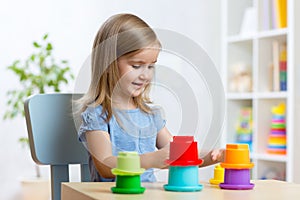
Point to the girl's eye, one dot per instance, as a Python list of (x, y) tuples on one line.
[(136, 66), (139, 66)]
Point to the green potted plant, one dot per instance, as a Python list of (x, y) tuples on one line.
[(39, 73)]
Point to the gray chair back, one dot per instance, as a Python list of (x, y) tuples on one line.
[(53, 137)]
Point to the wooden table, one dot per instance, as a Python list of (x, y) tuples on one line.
[(263, 190)]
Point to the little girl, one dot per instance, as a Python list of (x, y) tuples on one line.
[(117, 114)]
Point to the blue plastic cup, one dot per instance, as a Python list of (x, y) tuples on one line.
[(183, 179)]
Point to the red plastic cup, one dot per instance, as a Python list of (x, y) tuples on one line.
[(184, 152)]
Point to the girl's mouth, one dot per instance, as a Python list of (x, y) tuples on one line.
[(137, 84)]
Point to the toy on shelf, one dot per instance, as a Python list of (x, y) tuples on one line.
[(218, 175), (244, 127), (277, 136), (128, 173), (184, 162), (237, 168), (241, 78)]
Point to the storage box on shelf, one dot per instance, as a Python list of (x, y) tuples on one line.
[(271, 170), (254, 53)]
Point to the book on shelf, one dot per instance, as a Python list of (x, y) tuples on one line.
[(279, 66), (274, 14), (266, 15), (283, 68), (276, 73), (280, 7)]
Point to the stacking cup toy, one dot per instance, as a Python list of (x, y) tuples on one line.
[(184, 162), (183, 179), (237, 167), (183, 152), (218, 175), (128, 173), (128, 163)]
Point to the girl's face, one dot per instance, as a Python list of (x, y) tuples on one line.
[(136, 71)]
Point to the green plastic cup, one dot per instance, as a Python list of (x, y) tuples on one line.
[(128, 170), (128, 185), (128, 163)]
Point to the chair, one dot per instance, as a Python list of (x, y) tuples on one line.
[(53, 137)]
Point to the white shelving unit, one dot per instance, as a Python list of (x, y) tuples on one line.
[(255, 49)]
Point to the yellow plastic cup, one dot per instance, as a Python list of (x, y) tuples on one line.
[(218, 175)]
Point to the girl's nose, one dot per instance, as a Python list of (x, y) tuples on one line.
[(146, 74)]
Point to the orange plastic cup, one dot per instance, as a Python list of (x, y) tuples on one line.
[(237, 156)]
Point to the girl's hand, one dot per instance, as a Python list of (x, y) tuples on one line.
[(218, 155), (160, 157), (156, 159)]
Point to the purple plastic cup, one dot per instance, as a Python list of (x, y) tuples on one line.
[(237, 179)]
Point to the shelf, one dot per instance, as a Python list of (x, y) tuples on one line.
[(272, 33), (259, 35), (239, 96), (271, 95), (256, 95), (254, 64), (239, 38), (269, 157)]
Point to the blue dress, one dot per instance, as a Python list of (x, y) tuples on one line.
[(129, 130)]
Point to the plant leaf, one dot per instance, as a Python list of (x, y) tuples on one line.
[(45, 36), (37, 45), (49, 47)]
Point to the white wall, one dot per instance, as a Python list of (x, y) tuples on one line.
[(72, 26)]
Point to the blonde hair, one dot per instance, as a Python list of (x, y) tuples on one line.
[(121, 34)]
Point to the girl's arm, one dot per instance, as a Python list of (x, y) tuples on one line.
[(164, 137), (105, 161), (99, 146)]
